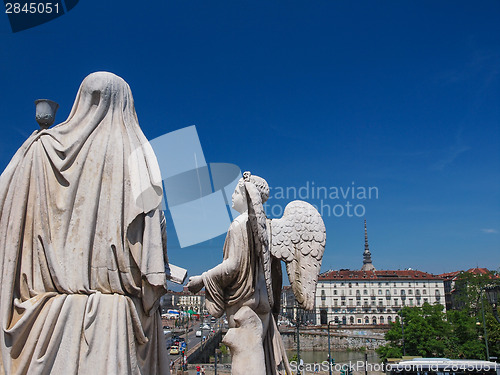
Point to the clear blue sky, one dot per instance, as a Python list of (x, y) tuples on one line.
[(402, 96)]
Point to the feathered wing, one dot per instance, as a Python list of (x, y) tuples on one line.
[(299, 238)]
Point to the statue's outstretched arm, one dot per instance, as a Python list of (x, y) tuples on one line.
[(235, 256)]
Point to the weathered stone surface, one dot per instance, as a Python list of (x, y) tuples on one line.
[(247, 284), (82, 259), (318, 340)]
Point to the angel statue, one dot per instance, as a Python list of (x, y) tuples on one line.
[(247, 284)]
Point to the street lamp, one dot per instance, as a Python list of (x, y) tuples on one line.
[(217, 352), (484, 325), (298, 320), (403, 331), (201, 337), (329, 351), (492, 293)]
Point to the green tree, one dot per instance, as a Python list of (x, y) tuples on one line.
[(429, 332), (493, 328), (394, 347), (426, 330), (389, 351), (426, 333), (468, 287), (464, 339), (468, 297)]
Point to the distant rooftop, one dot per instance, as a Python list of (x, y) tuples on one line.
[(450, 275), (186, 292), (385, 275), (479, 271), (475, 271)]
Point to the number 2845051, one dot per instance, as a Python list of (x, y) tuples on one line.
[(31, 8)]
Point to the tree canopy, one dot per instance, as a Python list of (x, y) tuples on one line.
[(430, 332)]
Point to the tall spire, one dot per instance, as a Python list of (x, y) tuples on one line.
[(367, 256)]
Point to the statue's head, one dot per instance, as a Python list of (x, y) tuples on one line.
[(104, 82), (100, 92), (240, 202)]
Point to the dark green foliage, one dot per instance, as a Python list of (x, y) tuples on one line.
[(426, 333), (223, 349), (429, 332), (464, 341)]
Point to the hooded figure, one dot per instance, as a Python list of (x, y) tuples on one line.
[(82, 261)]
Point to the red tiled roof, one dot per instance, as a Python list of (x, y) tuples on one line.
[(475, 271), (377, 275), (450, 275), (479, 271)]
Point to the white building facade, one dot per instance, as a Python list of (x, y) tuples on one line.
[(185, 300), (373, 297)]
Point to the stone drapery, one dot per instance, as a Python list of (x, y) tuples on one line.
[(81, 256)]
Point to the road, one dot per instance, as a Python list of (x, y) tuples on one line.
[(191, 340)]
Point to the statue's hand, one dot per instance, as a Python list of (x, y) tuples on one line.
[(195, 284)]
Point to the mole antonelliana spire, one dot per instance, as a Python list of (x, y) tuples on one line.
[(367, 256)]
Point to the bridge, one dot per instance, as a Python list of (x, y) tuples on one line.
[(202, 351)]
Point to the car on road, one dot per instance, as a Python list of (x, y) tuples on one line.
[(174, 349), (169, 343), (198, 333)]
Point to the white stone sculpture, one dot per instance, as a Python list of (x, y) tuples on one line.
[(82, 244), (247, 284)]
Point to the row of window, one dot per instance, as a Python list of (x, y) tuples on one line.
[(352, 320), (380, 292), (395, 302), (365, 285)]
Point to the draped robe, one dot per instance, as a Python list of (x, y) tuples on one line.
[(81, 254)]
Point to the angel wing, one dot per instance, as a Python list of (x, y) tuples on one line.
[(299, 238)]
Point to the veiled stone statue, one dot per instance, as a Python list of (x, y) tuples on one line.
[(247, 284), (82, 244)]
